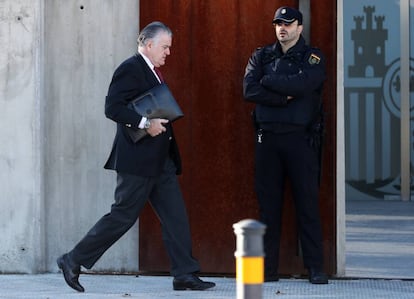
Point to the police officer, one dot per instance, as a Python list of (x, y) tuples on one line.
[(285, 81)]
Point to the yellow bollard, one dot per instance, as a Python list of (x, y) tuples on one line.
[(249, 258)]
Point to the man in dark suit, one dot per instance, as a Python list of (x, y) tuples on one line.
[(146, 171)]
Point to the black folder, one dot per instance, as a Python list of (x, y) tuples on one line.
[(158, 102)]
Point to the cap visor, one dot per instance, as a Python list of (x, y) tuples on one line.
[(284, 20)]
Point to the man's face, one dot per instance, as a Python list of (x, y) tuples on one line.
[(287, 32), (158, 48)]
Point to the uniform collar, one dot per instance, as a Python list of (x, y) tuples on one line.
[(297, 47)]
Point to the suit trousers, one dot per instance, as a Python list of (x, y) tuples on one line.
[(131, 194), (280, 156)]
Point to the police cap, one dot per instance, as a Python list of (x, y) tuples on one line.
[(288, 15)]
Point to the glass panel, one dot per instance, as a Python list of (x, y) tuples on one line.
[(372, 99), (411, 98)]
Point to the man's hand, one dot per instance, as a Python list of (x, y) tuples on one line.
[(157, 126)]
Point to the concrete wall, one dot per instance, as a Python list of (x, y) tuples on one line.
[(56, 62), (20, 200)]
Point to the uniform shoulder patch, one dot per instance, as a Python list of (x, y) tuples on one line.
[(314, 59)]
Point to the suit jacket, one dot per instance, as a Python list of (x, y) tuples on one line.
[(146, 157)]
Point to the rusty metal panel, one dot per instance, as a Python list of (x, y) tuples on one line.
[(212, 43)]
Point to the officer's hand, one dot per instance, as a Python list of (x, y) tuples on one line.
[(157, 126)]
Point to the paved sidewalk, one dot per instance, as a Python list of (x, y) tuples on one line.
[(380, 239), (380, 243), (52, 286)]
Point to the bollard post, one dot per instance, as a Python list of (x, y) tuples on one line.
[(249, 258)]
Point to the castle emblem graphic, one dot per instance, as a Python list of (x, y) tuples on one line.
[(372, 110)]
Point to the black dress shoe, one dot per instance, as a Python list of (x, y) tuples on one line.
[(71, 272), (317, 276), (190, 282), (271, 274), (270, 278)]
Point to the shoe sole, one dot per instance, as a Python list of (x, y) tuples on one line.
[(185, 288), (319, 282), (191, 289)]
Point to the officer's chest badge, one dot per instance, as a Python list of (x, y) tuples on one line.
[(314, 59)]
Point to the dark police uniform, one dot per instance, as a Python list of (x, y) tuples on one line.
[(287, 142)]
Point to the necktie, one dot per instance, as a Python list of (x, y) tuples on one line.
[(158, 72)]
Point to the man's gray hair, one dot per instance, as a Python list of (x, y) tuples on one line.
[(150, 31)]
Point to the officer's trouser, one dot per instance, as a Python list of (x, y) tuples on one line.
[(281, 156)]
